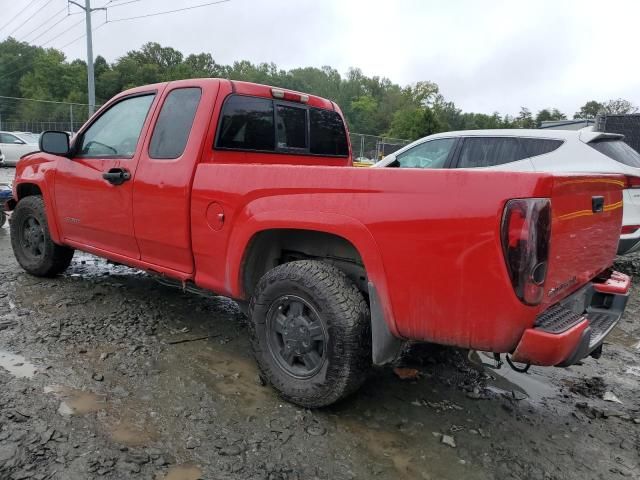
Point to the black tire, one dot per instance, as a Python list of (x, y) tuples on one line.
[(308, 295), (31, 241), (3, 218)]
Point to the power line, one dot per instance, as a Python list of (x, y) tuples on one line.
[(168, 11), (18, 14), (33, 15), (32, 40), (82, 36), (24, 37), (63, 32), (21, 69), (120, 4), (49, 29)]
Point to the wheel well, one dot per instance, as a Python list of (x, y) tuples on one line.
[(27, 190), (271, 248)]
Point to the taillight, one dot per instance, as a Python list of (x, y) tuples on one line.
[(632, 182), (627, 229), (526, 232)]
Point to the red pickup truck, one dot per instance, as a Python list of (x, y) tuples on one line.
[(248, 191)]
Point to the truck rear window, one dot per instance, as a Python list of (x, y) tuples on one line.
[(618, 151), (328, 136), (261, 124)]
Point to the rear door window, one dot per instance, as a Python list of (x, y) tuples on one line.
[(618, 151), (247, 124), (490, 151), (174, 123), (431, 154)]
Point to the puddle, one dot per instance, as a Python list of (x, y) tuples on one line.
[(16, 365), (88, 266), (181, 472), (385, 446), (76, 402), (234, 376), (517, 385), (132, 435), (620, 337)]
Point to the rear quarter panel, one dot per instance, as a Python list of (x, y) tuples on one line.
[(430, 239)]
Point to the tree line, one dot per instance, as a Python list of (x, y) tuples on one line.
[(372, 105)]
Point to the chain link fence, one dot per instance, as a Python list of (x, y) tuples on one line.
[(372, 148), (627, 125), (36, 116)]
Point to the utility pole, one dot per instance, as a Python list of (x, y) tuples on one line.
[(91, 81)]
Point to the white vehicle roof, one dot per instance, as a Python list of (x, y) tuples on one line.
[(586, 134)]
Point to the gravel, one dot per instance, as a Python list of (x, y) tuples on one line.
[(155, 383)]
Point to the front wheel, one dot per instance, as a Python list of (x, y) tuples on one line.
[(310, 332), (32, 245)]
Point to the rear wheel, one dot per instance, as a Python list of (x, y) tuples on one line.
[(31, 241), (310, 332)]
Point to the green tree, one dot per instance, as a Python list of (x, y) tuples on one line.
[(524, 119), (589, 110), (619, 106), (546, 115)]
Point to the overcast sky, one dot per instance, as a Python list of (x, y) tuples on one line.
[(485, 55)]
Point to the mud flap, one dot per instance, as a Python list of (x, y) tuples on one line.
[(384, 345)]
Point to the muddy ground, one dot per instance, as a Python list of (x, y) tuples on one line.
[(107, 374)]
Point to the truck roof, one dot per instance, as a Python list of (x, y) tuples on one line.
[(242, 88)]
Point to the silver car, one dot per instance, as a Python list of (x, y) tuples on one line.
[(14, 145)]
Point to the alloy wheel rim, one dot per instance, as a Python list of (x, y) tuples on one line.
[(296, 336), (32, 237)]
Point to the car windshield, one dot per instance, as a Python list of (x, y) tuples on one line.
[(618, 151), (28, 137)]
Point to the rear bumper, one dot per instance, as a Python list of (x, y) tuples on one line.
[(574, 328)]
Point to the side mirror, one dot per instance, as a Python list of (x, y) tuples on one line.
[(55, 143)]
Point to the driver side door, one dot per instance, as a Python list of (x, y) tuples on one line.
[(94, 188)]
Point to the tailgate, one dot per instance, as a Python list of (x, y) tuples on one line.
[(587, 216)]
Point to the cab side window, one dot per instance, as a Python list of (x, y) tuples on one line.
[(174, 123), (431, 154), (117, 131)]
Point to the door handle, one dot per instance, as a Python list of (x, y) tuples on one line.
[(117, 176)]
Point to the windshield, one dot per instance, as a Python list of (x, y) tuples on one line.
[(28, 137), (618, 151)]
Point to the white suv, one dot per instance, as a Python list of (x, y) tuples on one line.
[(534, 150)]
